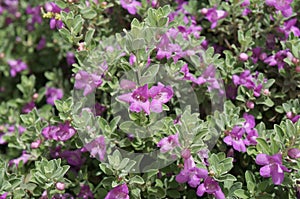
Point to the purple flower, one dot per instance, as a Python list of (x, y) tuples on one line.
[(70, 57), (130, 5), (35, 144), (294, 153), (120, 192), (87, 81), (132, 59), (97, 148), (53, 94), (36, 17), (160, 95), (290, 26), (62, 132), (41, 44), (99, 109), (168, 143), (73, 157), (235, 139), (213, 15), (24, 158), (16, 66), (85, 192), (55, 21), (191, 174), (3, 196), (295, 118), (210, 186), (28, 107), (282, 5), (272, 167), (277, 59), (138, 99)]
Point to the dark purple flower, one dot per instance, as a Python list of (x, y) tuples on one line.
[(99, 109), (118, 192), (97, 148), (16, 66), (70, 57), (85, 192), (23, 158), (294, 153), (138, 99), (282, 5), (295, 118), (210, 186), (53, 94), (73, 158), (235, 139), (62, 196), (28, 107), (130, 5), (168, 143), (36, 17), (272, 167), (290, 26), (41, 44), (213, 15), (87, 81)]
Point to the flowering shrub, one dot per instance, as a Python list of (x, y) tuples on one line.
[(149, 99)]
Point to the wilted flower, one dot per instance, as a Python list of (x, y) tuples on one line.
[(272, 167), (210, 186), (120, 192), (130, 5), (16, 66)]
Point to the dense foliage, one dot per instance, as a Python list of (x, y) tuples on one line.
[(124, 99)]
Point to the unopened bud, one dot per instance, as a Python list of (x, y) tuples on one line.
[(250, 105), (243, 57), (60, 186)]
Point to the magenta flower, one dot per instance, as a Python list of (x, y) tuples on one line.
[(213, 15), (272, 167), (54, 9), (132, 59), (3, 196), (53, 94), (62, 132), (87, 81), (120, 192), (290, 26), (295, 118), (24, 158), (277, 59), (191, 174), (36, 17), (210, 186), (168, 143), (130, 5), (16, 66), (138, 99), (160, 95), (85, 192), (235, 139), (97, 148), (294, 153), (282, 5)]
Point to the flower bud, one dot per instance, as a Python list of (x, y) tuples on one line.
[(60, 186), (295, 60), (294, 153), (35, 96), (289, 115), (204, 11), (35, 144), (250, 105), (266, 92), (263, 56), (297, 69), (243, 57)]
